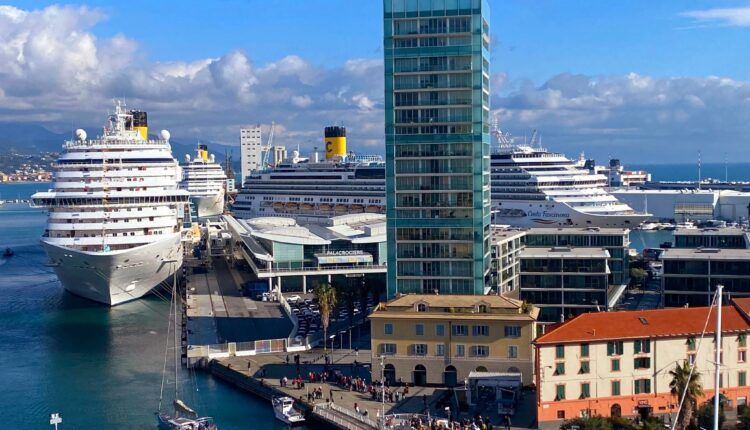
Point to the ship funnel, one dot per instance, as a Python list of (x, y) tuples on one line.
[(335, 139), (140, 123)]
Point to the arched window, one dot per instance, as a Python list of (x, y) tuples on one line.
[(616, 410), (481, 369), (422, 307), (483, 309)]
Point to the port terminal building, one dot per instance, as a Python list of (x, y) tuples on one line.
[(297, 254), (683, 205)]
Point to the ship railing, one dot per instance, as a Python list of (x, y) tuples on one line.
[(401, 421)]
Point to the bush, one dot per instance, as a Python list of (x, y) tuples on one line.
[(744, 420), (705, 416), (593, 423)]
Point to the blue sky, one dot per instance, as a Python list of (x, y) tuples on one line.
[(592, 75), (536, 39)]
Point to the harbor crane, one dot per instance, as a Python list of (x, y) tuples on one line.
[(269, 145)]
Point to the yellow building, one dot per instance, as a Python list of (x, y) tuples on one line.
[(433, 339)]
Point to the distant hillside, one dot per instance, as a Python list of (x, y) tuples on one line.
[(30, 138), (27, 138)]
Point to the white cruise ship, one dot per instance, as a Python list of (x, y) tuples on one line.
[(115, 211), (305, 186), (342, 183), (205, 180), (532, 187)]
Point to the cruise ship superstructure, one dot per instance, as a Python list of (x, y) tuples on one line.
[(532, 187), (205, 180), (339, 184), (115, 211)]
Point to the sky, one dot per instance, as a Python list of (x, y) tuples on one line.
[(642, 81)]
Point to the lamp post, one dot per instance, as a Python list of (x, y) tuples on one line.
[(55, 419), (382, 385)]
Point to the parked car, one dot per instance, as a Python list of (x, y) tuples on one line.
[(294, 299)]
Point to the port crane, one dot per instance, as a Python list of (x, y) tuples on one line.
[(269, 145)]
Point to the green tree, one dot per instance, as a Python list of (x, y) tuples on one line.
[(638, 275), (326, 296), (682, 378), (591, 423), (706, 416), (620, 423), (744, 419)]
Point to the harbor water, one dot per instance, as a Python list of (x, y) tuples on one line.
[(98, 367)]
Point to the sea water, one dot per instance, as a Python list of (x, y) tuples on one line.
[(99, 367)]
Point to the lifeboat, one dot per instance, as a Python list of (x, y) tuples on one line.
[(372, 209), (357, 208), (306, 206), (341, 208), (325, 207), (278, 205)]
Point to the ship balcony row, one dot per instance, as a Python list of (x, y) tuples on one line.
[(82, 239), (50, 200), (112, 144), (113, 225), (150, 212), (134, 174), (113, 185)]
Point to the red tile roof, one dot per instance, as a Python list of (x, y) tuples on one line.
[(676, 322), (743, 304)]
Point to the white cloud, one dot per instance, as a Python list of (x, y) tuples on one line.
[(735, 17), (54, 70), (632, 115)]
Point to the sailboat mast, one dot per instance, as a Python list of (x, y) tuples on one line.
[(176, 335), (717, 363)]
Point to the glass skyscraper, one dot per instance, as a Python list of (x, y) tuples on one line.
[(437, 95)]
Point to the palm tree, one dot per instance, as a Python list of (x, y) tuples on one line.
[(326, 296), (682, 378)]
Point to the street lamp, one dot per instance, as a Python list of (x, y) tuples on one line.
[(382, 385), (55, 419)]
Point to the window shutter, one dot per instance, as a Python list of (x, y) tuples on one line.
[(647, 345), (648, 385), (637, 386), (610, 348), (637, 346)]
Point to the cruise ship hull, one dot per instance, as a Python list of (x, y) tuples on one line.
[(208, 206), (115, 277), (557, 214)]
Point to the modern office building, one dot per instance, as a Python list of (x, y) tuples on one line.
[(437, 101), (691, 275), (251, 146), (505, 268), (564, 282), (722, 238), (435, 339), (618, 363), (615, 240)]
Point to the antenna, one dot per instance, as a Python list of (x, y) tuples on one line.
[(699, 169), (726, 168)]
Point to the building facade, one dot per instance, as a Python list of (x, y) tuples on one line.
[(435, 339), (691, 275), (564, 282), (505, 270), (299, 254), (618, 363), (437, 74), (251, 145), (615, 240), (722, 238)]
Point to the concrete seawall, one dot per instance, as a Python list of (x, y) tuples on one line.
[(321, 415)]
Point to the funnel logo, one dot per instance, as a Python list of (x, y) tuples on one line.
[(329, 147)]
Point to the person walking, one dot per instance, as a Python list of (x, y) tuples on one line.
[(507, 422)]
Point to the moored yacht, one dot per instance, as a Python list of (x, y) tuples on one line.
[(113, 230), (533, 187), (205, 180)]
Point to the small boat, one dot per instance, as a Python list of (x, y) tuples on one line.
[(646, 226), (283, 408), (687, 225), (184, 417), (8, 253)]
